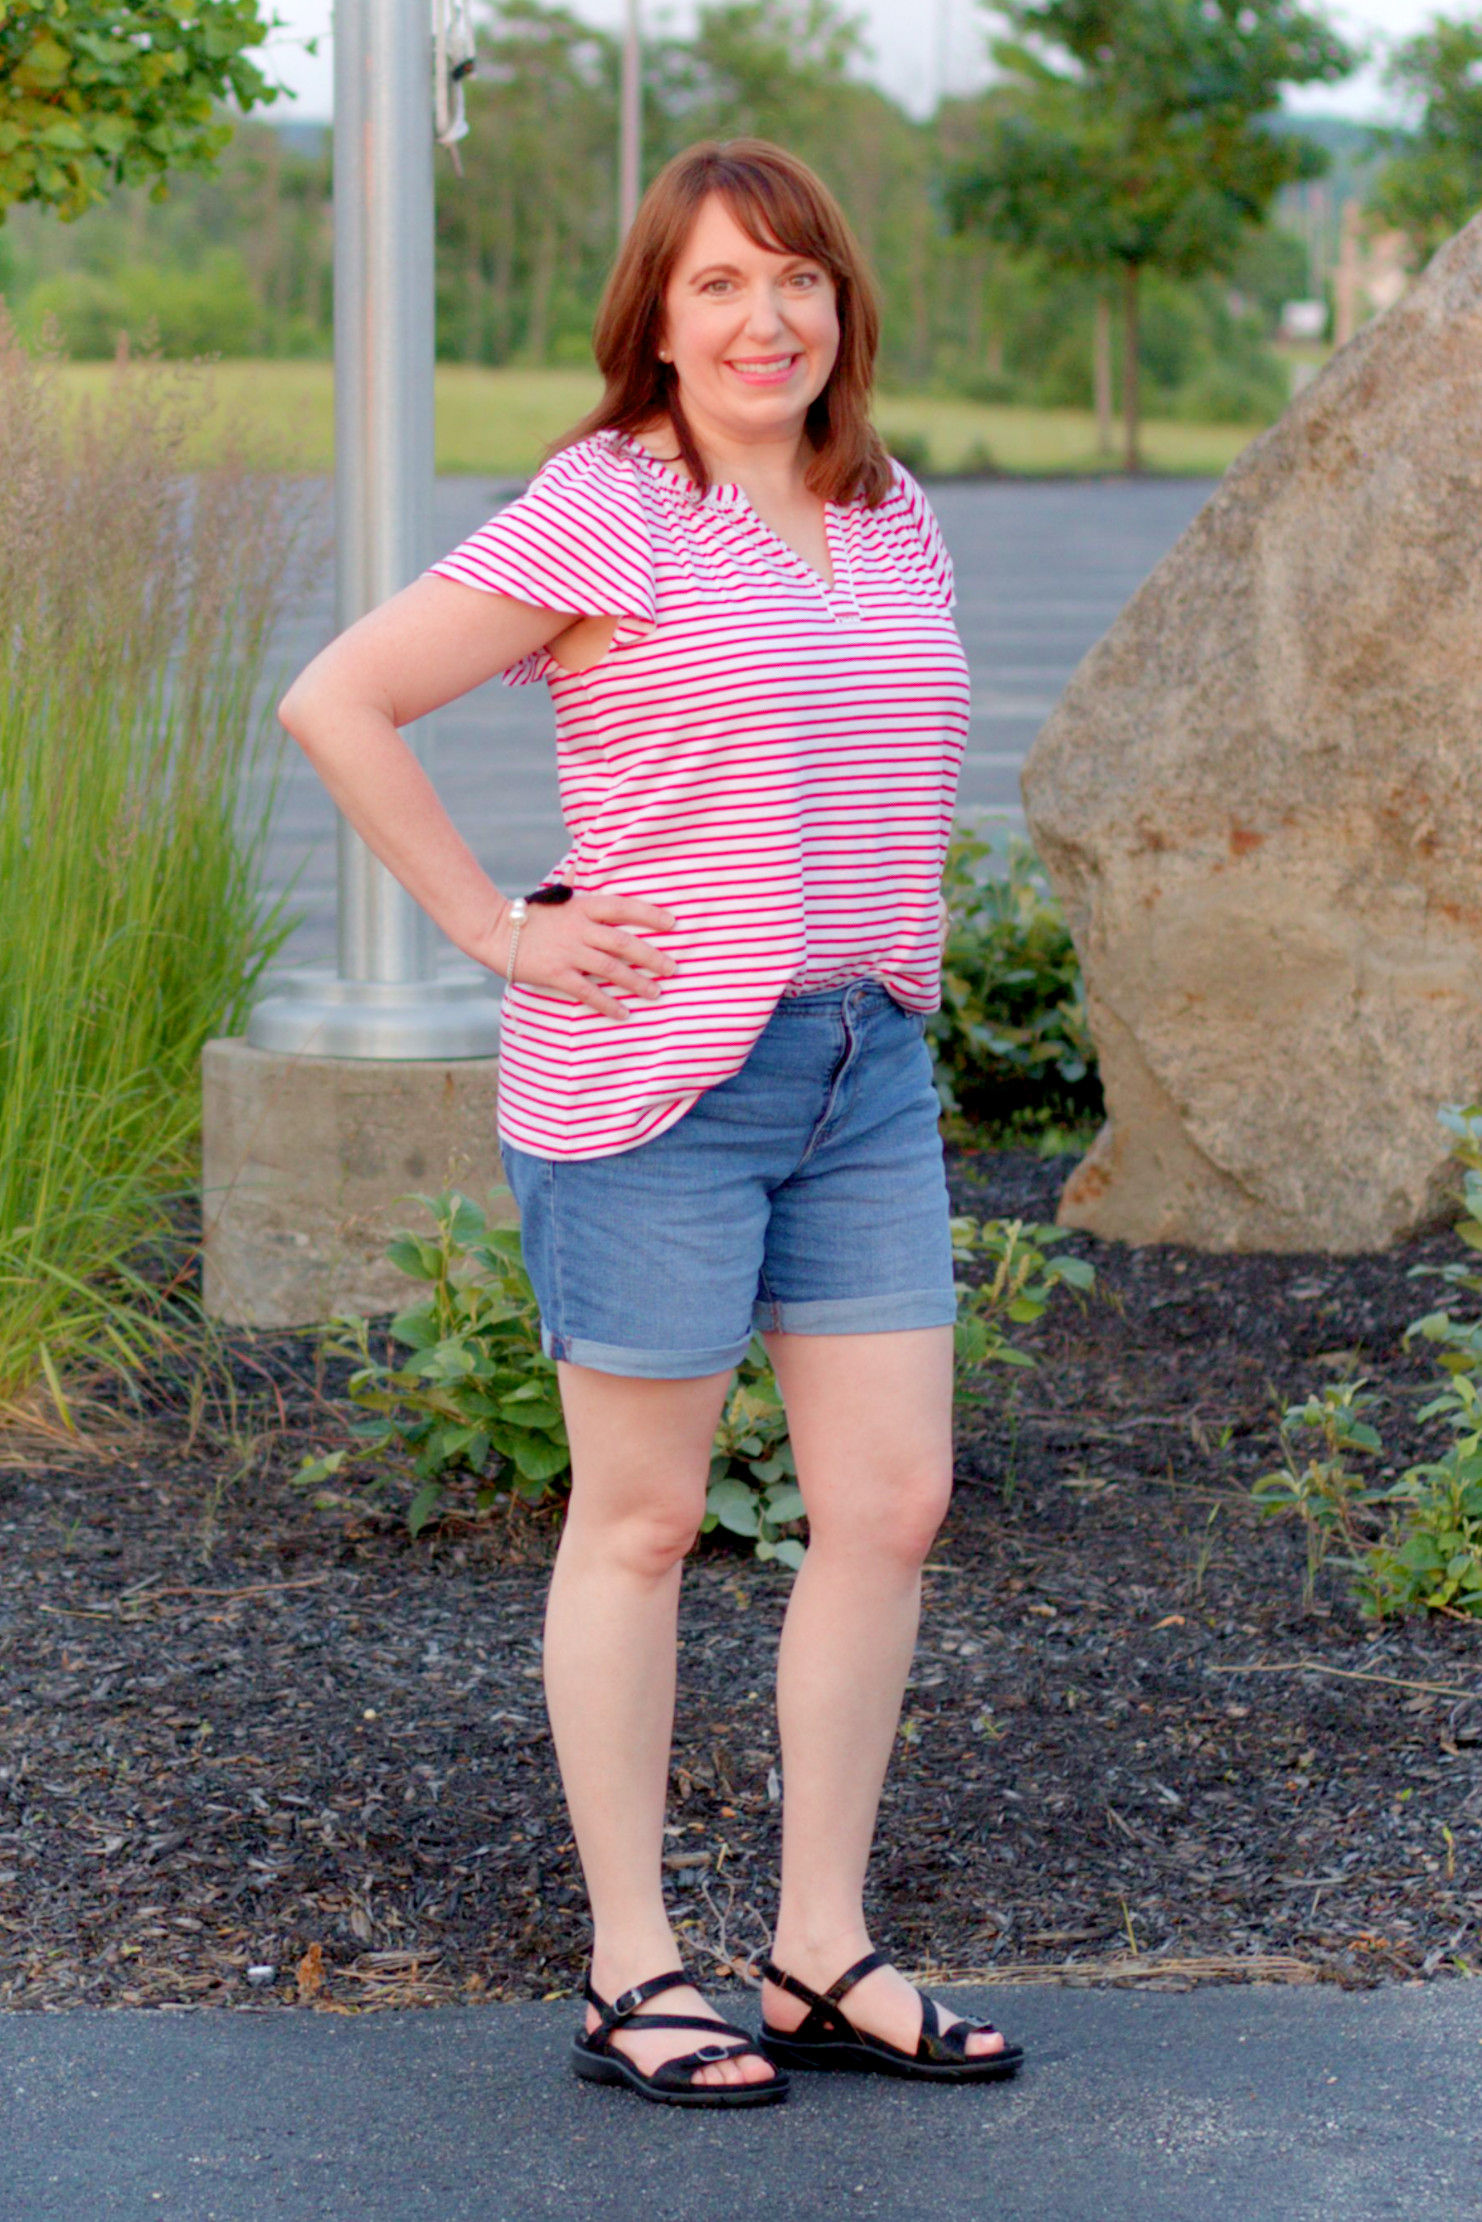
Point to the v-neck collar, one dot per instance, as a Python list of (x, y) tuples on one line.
[(725, 494)]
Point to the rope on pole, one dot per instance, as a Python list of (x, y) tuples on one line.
[(453, 63)]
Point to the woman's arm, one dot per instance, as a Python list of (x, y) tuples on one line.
[(429, 644)]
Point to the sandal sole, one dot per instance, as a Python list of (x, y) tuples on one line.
[(992, 2067), (607, 2068)]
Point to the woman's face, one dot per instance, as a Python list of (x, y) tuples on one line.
[(752, 334)]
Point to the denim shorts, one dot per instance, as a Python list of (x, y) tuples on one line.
[(806, 1193)]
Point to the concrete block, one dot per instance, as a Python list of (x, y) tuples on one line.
[(305, 1160)]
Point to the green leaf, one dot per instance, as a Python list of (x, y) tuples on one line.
[(423, 1506), (537, 1460), (314, 1470), (734, 1505), (784, 1505), (419, 1259)]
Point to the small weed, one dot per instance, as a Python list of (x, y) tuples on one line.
[(1316, 1480)]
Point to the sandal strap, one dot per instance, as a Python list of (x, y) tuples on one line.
[(836, 1990), (676, 2075), (677, 2021), (772, 1973), (628, 2002), (856, 1974), (945, 2044)]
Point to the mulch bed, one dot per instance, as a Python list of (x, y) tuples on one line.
[(240, 1736)]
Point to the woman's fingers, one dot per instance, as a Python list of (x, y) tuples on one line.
[(576, 949), (628, 910)]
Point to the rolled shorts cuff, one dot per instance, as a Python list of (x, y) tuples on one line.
[(643, 1365), (857, 1315)]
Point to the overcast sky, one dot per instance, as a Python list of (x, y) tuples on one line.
[(911, 67)]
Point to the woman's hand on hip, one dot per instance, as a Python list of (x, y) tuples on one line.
[(580, 949)]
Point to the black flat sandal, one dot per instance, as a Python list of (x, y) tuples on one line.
[(827, 2038), (593, 2057)]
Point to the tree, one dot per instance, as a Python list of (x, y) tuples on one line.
[(100, 93), (1433, 183), (525, 235), (1129, 135)]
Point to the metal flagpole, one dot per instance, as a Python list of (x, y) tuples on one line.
[(386, 996)]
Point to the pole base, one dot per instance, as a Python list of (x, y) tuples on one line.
[(312, 1012), (309, 1166)]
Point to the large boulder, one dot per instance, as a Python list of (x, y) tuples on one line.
[(1261, 801)]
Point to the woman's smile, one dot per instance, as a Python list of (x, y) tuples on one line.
[(767, 370)]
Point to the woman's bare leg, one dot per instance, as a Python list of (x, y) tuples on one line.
[(870, 1419), (640, 1453)]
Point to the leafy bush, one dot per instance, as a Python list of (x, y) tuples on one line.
[(1433, 1559), (1011, 1045), (207, 310), (1016, 1293), (1232, 393), (1423, 1550), (1316, 1480), (475, 1393), (914, 450)]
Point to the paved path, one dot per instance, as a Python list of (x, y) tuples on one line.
[(1261, 2104), (1042, 571)]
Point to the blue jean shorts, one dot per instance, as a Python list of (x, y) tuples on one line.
[(806, 1193)]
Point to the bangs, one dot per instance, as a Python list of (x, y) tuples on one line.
[(775, 214)]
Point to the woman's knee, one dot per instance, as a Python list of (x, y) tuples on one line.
[(899, 1516), (646, 1535)]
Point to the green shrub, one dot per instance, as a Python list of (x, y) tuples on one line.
[(1316, 1480), (135, 611), (914, 450), (465, 1388), (1232, 393), (210, 309), (1011, 1046), (475, 1394), (1432, 1560), (1416, 1543)]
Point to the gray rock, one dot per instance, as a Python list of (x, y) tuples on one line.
[(1261, 801)]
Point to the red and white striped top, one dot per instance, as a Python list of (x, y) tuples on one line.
[(771, 758)]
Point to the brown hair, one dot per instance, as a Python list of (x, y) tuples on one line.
[(780, 204)]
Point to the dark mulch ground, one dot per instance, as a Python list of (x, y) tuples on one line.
[(239, 1734)]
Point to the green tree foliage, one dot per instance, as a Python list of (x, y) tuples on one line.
[(1130, 135), (100, 93), (237, 261), (1432, 184), (526, 234), (239, 258)]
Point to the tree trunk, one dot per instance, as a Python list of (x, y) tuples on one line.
[(1131, 368), (542, 278), (1101, 371)]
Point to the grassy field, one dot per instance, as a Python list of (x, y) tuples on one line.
[(497, 422)]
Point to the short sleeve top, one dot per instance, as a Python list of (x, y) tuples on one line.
[(770, 756)]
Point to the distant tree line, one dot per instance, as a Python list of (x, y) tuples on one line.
[(1107, 204)]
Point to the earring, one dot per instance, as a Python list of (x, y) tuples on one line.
[(663, 357)]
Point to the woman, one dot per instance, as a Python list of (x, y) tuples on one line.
[(716, 1108)]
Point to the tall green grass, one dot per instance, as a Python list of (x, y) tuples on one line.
[(137, 780)]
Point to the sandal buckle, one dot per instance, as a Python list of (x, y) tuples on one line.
[(628, 2002), (712, 2052)]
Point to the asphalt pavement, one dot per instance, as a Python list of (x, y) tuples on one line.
[(1258, 2103), (1042, 570)]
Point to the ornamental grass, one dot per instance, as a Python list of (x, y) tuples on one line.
[(138, 775)]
